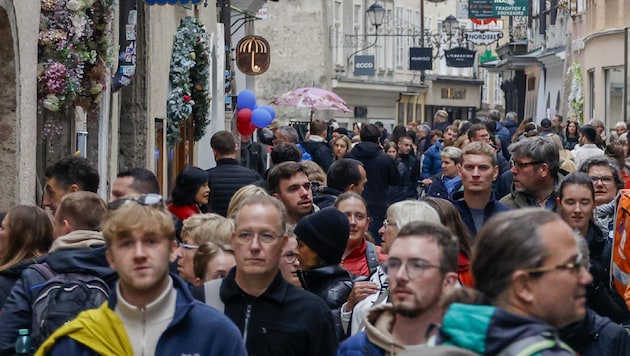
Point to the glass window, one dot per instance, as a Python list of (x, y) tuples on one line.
[(614, 95)]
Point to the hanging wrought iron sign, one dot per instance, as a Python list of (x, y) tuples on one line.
[(483, 37), (252, 55), (459, 57)]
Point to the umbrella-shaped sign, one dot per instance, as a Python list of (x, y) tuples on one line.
[(312, 98)]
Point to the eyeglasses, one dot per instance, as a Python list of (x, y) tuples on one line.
[(146, 200), (263, 237), (573, 266), (187, 246), (387, 223), (290, 257), (603, 179), (521, 165), (414, 267)]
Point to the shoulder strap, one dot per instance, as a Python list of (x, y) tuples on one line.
[(532, 345), (45, 270), (213, 297), (371, 256)]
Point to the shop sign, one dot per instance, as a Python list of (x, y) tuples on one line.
[(364, 65), (483, 37), (460, 57), (252, 55), (420, 58)]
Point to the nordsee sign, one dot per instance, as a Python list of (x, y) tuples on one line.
[(364, 65), (483, 37)]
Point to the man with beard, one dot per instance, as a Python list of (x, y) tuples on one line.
[(422, 266), (289, 183), (535, 166)]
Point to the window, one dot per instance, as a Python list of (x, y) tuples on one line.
[(614, 94), (498, 93), (591, 94), (485, 93)]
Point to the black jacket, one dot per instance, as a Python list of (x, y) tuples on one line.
[(9, 276), (253, 156), (326, 198), (381, 174), (596, 336), (320, 153), (224, 180), (284, 320), (17, 313)]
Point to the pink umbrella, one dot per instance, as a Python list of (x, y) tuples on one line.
[(313, 98)]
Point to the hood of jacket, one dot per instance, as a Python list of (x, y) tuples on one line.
[(378, 328), (91, 260), (365, 150), (487, 330)]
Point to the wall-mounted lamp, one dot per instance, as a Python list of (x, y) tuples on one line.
[(376, 14), (450, 25)]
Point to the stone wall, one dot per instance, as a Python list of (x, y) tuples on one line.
[(8, 103)]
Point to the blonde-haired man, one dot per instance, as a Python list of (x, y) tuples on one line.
[(150, 312)]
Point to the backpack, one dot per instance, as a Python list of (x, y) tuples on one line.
[(62, 297), (371, 257), (534, 345)]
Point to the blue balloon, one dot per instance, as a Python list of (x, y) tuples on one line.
[(246, 99), (261, 118), (270, 110)]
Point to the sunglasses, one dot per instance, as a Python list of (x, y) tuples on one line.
[(146, 200)]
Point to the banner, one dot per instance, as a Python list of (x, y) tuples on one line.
[(420, 58), (460, 57), (364, 65)]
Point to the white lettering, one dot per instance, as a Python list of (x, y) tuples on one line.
[(365, 65), (421, 58)]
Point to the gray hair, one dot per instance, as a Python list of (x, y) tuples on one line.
[(454, 153), (620, 124), (504, 245), (511, 115), (540, 149), (605, 161), (407, 211), (289, 133)]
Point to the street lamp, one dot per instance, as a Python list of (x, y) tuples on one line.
[(376, 14), (450, 25)]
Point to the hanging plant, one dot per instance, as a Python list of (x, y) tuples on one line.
[(576, 95), (74, 52), (189, 73)]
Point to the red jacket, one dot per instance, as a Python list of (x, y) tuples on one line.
[(356, 262), (184, 212)]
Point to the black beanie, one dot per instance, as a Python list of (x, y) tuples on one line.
[(326, 232)]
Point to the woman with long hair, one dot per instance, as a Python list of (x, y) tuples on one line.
[(450, 217), (26, 234), (571, 135), (341, 145), (191, 191)]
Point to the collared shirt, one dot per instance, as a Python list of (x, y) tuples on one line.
[(284, 320)]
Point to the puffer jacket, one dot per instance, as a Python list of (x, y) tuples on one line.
[(9, 276), (224, 180), (488, 330), (432, 163)]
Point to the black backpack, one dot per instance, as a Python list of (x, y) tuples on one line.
[(62, 297)]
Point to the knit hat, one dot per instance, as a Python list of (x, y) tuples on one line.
[(326, 232)]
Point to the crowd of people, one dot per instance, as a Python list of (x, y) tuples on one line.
[(482, 237)]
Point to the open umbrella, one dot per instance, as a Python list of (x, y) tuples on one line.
[(312, 98)]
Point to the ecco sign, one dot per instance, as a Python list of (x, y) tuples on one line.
[(483, 37), (364, 65)]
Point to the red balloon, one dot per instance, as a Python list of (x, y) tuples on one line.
[(244, 116), (245, 129)]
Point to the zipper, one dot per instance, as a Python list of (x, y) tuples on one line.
[(144, 330), (248, 315)]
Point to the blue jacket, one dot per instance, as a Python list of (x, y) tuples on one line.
[(432, 163), (488, 330), (492, 207), (596, 335), (196, 329), (438, 189)]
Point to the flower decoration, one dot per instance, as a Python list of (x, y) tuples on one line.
[(74, 52), (576, 95), (189, 75)]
